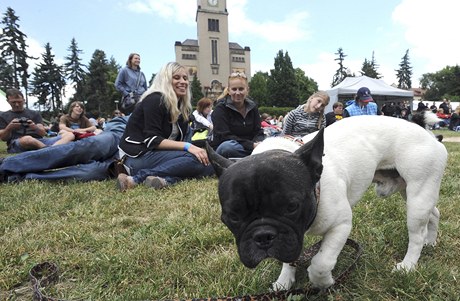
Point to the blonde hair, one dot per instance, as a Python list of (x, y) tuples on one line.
[(325, 99), (163, 84)]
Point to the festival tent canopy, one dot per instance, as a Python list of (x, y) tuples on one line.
[(380, 91)]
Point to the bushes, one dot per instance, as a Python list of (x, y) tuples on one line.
[(275, 110)]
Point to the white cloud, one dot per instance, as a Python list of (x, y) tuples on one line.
[(431, 28), (288, 30), (179, 11)]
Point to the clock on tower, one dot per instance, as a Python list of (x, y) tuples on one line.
[(212, 2)]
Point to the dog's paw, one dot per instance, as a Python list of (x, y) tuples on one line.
[(403, 267), (285, 279), (321, 280), (278, 286)]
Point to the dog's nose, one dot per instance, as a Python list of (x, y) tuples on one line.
[(264, 237)]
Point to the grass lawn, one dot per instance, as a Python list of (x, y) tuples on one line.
[(171, 244)]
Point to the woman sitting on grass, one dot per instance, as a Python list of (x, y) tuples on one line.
[(76, 121), (153, 142)]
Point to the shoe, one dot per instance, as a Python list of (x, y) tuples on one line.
[(125, 182), (155, 182)]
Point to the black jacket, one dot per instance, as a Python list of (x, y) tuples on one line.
[(148, 125), (229, 124)]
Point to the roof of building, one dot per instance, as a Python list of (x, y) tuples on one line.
[(190, 42)]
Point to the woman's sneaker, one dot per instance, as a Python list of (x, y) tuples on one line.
[(155, 182), (125, 182)]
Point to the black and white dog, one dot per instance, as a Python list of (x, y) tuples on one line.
[(269, 202)]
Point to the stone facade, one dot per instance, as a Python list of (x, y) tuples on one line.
[(211, 57)]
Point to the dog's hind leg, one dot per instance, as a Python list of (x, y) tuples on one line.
[(432, 228), (421, 222)]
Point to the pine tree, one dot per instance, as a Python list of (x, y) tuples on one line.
[(73, 68), (6, 75), (197, 92), (282, 86), (343, 71), (404, 73), (48, 82), (369, 68), (97, 92), (14, 51)]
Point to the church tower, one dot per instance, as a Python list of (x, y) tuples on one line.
[(212, 57)]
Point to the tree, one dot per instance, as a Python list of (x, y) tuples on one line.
[(442, 84), (404, 73), (343, 71), (370, 68), (282, 86), (196, 88), (258, 88), (14, 51), (73, 69), (6, 75), (48, 82), (97, 85), (305, 85)]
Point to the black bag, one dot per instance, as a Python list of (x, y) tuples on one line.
[(129, 101)]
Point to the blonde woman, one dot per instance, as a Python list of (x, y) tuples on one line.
[(236, 120), (307, 118), (153, 142)]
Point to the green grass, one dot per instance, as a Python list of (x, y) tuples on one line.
[(147, 244)]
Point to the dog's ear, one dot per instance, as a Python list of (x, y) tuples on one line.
[(311, 155), (218, 162)]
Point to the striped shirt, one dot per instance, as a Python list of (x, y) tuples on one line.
[(299, 123)]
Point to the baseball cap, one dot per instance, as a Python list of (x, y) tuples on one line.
[(364, 94)]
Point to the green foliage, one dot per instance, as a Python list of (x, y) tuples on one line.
[(98, 88), (343, 71), (48, 81), (282, 85), (74, 69), (305, 85), (275, 111), (170, 244), (14, 52), (442, 84), (404, 73), (369, 68), (196, 88), (258, 88)]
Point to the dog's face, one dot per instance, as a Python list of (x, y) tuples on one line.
[(268, 200)]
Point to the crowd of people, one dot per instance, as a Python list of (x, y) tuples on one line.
[(159, 140)]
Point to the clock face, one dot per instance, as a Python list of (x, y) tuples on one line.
[(212, 2)]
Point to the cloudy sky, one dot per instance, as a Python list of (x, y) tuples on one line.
[(311, 31)]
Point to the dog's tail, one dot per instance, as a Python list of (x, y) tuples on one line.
[(426, 119)]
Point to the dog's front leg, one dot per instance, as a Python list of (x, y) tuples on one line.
[(322, 264), (285, 279)]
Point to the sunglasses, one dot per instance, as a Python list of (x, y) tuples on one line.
[(237, 74)]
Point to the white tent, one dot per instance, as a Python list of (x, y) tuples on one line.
[(4, 105), (381, 92)]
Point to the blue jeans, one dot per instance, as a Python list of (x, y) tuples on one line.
[(79, 159), (173, 166), (232, 149)]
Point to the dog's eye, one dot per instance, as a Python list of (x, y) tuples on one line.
[(233, 218), (292, 207)]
